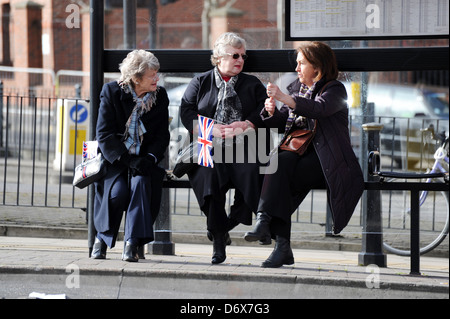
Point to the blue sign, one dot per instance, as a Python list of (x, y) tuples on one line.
[(79, 113)]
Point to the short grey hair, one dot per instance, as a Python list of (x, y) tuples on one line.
[(226, 39), (136, 64)]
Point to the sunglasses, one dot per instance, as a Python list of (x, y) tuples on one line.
[(237, 55)]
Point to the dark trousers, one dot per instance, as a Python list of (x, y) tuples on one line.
[(135, 199), (211, 185), (283, 191)]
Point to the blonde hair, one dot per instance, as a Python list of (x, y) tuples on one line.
[(226, 39), (135, 65)]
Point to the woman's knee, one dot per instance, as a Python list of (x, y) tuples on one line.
[(119, 193)]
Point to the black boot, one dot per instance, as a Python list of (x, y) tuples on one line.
[(261, 231), (130, 252), (281, 255), (219, 244), (231, 224), (99, 249), (227, 237)]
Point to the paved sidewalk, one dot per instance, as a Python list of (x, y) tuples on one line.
[(62, 266)]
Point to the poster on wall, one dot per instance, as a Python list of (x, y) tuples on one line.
[(366, 19)]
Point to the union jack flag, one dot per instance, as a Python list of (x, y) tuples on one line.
[(205, 129)]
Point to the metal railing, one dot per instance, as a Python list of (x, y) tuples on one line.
[(40, 145)]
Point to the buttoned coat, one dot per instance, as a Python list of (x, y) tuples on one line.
[(115, 108), (343, 174)]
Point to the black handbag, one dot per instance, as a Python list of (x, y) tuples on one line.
[(187, 160)]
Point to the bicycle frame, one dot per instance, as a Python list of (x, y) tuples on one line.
[(440, 157), (438, 170)]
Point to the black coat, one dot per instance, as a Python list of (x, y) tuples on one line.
[(115, 109), (200, 97), (343, 174)]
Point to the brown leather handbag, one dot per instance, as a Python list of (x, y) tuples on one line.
[(298, 140)]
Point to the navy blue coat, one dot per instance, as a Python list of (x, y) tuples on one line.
[(343, 174), (115, 109)]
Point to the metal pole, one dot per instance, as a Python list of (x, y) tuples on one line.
[(1, 115), (162, 244), (372, 238), (152, 34), (129, 26), (415, 233), (96, 83)]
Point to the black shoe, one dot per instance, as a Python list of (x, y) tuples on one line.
[(281, 255), (261, 231), (141, 253), (219, 244), (99, 249), (227, 237), (130, 252)]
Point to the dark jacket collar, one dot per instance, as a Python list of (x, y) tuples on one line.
[(294, 87)]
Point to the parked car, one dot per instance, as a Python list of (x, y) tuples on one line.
[(178, 133), (404, 111), (175, 96)]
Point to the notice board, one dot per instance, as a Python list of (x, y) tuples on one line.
[(366, 19)]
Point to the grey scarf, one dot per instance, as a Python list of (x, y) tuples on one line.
[(229, 107)]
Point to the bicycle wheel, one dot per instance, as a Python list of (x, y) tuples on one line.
[(434, 220)]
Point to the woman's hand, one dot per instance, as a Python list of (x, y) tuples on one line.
[(231, 130), (270, 106), (274, 92)]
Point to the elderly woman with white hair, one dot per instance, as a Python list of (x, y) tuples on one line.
[(132, 133), (234, 100)]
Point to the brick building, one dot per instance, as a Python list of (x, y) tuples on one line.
[(53, 35), (34, 35)]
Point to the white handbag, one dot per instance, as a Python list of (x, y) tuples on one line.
[(91, 169)]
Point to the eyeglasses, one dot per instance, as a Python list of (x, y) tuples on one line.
[(237, 55), (154, 78)]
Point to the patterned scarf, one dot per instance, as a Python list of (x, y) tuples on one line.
[(293, 119), (134, 128), (229, 107)]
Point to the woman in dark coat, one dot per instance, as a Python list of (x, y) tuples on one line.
[(132, 133), (234, 100), (328, 162)]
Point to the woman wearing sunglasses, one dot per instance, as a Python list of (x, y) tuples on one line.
[(234, 100)]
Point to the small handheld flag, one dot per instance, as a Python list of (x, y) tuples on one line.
[(205, 129)]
